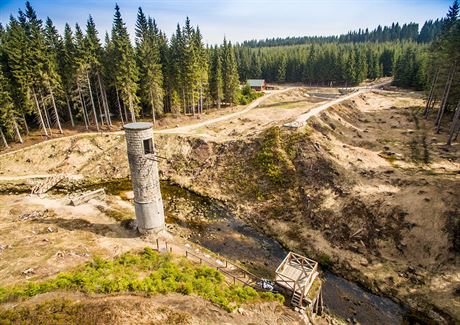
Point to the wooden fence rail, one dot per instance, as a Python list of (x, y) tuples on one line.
[(245, 274), (246, 278)]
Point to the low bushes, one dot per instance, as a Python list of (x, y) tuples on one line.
[(247, 95), (148, 272)]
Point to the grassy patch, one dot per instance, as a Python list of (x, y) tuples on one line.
[(325, 261), (314, 289), (271, 158), (148, 272)]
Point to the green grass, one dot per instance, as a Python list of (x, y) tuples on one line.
[(148, 272), (269, 158)]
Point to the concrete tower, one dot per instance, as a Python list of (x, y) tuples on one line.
[(144, 176)]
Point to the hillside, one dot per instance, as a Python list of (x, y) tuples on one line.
[(366, 188)]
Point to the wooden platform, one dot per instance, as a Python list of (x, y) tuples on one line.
[(296, 274)]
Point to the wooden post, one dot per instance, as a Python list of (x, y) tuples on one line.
[(158, 245), (166, 243)]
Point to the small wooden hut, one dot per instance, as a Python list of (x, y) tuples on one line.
[(257, 84)]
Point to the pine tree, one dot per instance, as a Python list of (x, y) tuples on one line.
[(67, 68), (148, 61), (255, 67), (281, 72), (216, 82), (229, 74), (125, 69), (177, 72), (452, 16), (201, 67), (8, 114), (15, 48), (54, 50), (33, 60), (82, 77), (94, 52)]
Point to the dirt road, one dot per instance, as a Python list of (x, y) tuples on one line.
[(176, 130), (302, 119), (299, 121), (254, 104)]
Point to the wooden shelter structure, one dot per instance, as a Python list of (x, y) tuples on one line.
[(257, 84), (299, 276)]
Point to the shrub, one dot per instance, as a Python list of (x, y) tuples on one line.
[(127, 273), (247, 95)]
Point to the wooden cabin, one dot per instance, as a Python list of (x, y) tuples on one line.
[(257, 84), (298, 275)]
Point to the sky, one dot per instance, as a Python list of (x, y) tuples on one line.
[(240, 20)]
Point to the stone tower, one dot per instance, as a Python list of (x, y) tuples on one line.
[(144, 176)]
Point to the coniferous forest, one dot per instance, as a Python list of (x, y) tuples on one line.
[(83, 78)]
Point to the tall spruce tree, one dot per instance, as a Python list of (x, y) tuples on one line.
[(216, 81), (94, 57), (125, 68), (229, 74), (8, 114), (54, 50), (148, 61)]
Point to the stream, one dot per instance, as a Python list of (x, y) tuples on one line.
[(209, 224)]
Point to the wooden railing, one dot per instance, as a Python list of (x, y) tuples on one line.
[(247, 278)]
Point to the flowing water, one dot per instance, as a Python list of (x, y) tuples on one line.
[(210, 224)]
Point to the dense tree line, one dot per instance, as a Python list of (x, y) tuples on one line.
[(442, 65), (47, 78), (407, 32), (322, 64)]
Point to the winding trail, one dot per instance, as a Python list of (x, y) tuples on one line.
[(303, 118), (298, 122), (175, 130), (254, 104)]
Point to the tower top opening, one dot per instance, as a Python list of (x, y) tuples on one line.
[(138, 126)]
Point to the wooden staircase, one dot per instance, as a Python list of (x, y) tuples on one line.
[(297, 299)]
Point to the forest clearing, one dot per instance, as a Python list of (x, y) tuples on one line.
[(375, 179), (168, 176)]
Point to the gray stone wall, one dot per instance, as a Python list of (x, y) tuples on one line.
[(145, 179)]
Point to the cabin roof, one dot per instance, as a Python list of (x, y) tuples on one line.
[(256, 82)]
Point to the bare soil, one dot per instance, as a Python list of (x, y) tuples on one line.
[(59, 308)]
